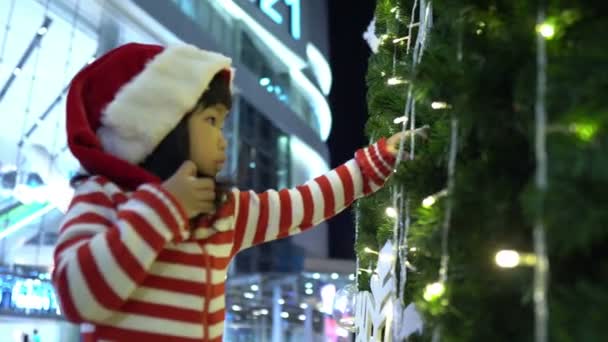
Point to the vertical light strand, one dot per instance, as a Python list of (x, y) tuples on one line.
[(445, 256), (28, 107), (66, 77), (541, 268), (7, 28)]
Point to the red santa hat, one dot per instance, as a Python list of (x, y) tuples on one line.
[(121, 106)]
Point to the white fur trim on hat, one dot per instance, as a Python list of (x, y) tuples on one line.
[(145, 110)]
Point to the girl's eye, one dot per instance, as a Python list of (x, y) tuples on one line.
[(211, 120)]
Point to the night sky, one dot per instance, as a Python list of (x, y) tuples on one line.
[(349, 54)]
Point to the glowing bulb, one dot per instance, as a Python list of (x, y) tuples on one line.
[(395, 81), (248, 295), (43, 30), (429, 201), (401, 119), (309, 291), (308, 285), (335, 276), (439, 105), (264, 81), (284, 314), (316, 276), (433, 291), (507, 258), (398, 40), (281, 301), (303, 306), (302, 317), (391, 212), (236, 308), (369, 250), (546, 30), (264, 312), (254, 287)]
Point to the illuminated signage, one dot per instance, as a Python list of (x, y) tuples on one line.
[(268, 7)]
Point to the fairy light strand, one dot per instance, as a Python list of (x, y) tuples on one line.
[(541, 268)]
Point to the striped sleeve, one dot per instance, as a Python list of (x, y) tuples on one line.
[(274, 214), (105, 250)]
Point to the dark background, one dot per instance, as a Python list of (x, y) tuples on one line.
[(348, 58)]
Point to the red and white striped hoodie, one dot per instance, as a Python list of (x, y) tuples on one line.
[(129, 268)]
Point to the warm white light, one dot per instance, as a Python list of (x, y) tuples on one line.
[(546, 30), (395, 81), (391, 212), (433, 291), (429, 201), (507, 258), (401, 119), (439, 105), (369, 250), (398, 40)]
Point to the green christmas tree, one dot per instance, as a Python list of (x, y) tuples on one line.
[(480, 69)]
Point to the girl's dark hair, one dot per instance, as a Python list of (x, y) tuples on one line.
[(174, 149)]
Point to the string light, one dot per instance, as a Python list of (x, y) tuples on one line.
[(335, 276), (433, 291), (42, 31), (401, 40), (285, 314), (391, 212), (248, 295), (254, 287), (370, 251), (431, 200), (395, 81), (546, 30), (302, 317), (510, 259), (308, 285), (264, 312), (281, 301), (303, 306), (400, 120), (236, 308), (316, 276), (439, 105)]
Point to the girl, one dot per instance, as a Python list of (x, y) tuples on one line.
[(143, 250)]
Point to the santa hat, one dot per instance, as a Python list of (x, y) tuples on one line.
[(121, 106)]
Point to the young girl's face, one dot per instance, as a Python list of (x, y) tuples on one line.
[(207, 143)]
